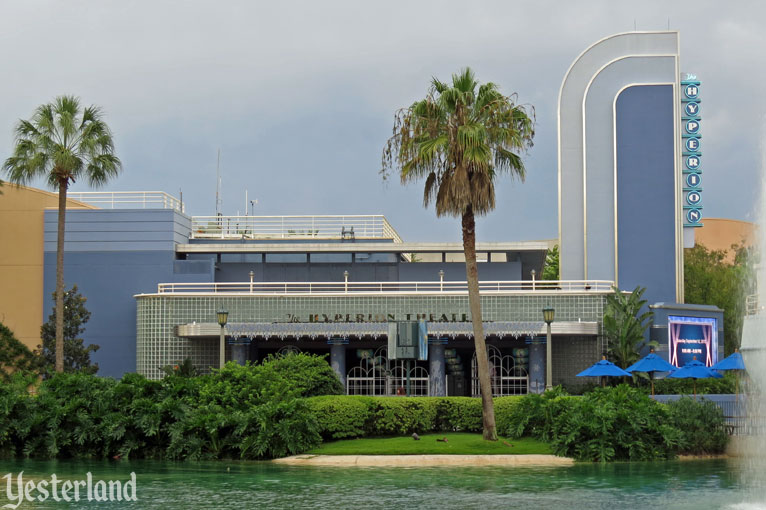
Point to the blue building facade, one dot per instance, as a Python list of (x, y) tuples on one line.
[(112, 254)]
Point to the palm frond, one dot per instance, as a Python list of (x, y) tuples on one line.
[(61, 142), (459, 138)]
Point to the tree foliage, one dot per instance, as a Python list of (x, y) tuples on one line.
[(185, 368), (625, 325), (14, 355), (551, 269), (458, 140), (62, 143), (710, 280), (76, 353)]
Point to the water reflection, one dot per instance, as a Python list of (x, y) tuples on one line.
[(230, 485)]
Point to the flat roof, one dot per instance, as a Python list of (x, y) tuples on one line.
[(365, 247)]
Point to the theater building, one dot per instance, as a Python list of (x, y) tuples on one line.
[(630, 174)]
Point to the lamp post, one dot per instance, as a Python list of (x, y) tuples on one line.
[(548, 314), (345, 281), (533, 272), (441, 279), (223, 317)]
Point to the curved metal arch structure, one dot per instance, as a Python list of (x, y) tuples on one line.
[(507, 376), (288, 349), (588, 147), (377, 375)]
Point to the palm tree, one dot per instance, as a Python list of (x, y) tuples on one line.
[(62, 143), (459, 138)]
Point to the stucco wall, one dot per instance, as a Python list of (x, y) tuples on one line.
[(21, 258)]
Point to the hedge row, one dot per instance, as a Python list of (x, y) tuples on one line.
[(667, 386), (340, 417), (620, 423)]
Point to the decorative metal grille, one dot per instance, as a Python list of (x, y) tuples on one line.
[(507, 377), (376, 375), (288, 349)]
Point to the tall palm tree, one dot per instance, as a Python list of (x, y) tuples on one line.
[(459, 138), (62, 142)]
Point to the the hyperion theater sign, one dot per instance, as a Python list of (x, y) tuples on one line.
[(692, 337), (691, 137)]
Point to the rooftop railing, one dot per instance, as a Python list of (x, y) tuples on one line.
[(128, 199), (293, 227), (429, 287)]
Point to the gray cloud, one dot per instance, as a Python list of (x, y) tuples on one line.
[(300, 95)]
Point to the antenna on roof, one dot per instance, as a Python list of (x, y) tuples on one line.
[(218, 200)]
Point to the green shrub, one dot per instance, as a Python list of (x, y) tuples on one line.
[(278, 377), (14, 414), (340, 417), (243, 386), (237, 412), (458, 414), (531, 415), (309, 374), (667, 386), (280, 428), (701, 424), (14, 355), (355, 416), (395, 416), (619, 423), (504, 409), (613, 423)]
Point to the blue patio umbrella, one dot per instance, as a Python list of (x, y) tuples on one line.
[(733, 362), (650, 364), (695, 370), (603, 368)]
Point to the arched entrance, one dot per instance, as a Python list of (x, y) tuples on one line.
[(508, 375), (376, 375)]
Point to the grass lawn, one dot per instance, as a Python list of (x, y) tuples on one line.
[(458, 443)]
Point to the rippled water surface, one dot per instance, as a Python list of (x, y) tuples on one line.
[(240, 485)]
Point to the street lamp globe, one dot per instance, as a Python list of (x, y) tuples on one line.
[(223, 316)]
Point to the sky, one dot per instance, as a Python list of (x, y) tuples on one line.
[(300, 96)]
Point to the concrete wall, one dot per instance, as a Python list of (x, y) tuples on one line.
[(646, 191), (21, 258), (588, 175)]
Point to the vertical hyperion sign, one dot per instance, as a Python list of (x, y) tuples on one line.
[(692, 151)]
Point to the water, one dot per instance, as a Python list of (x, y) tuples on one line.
[(704, 484), (753, 347)]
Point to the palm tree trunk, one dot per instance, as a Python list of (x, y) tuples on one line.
[(63, 185), (472, 276)]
